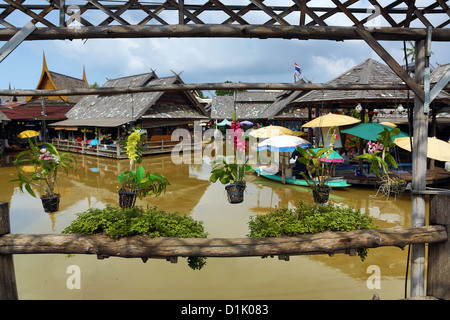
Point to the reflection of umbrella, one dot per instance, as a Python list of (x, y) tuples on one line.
[(436, 149), (333, 157), (93, 142), (283, 143), (270, 131), (28, 133), (224, 122), (370, 131), (331, 120), (389, 124), (247, 123)]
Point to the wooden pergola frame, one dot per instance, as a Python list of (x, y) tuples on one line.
[(313, 23)]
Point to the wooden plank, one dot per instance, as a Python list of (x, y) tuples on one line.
[(17, 39), (143, 246), (229, 12), (438, 274), (8, 287), (35, 16), (109, 12), (440, 85)]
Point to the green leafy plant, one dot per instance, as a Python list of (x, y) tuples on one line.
[(309, 219), (45, 160), (379, 157), (152, 222), (229, 172)]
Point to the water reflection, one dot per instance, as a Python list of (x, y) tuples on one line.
[(303, 277)]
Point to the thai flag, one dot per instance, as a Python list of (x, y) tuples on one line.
[(298, 71)]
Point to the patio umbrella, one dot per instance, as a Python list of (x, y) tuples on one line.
[(436, 149), (247, 123), (224, 122), (389, 124), (93, 142), (28, 133), (334, 157), (331, 120), (370, 131), (283, 143), (271, 131)]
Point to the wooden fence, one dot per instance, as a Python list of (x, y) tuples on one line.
[(436, 235)]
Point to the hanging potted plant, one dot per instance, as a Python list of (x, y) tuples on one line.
[(380, 158), (233, 174), (317, 169), (136, 182), (45, 160)]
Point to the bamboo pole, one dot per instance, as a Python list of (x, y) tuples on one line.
[(338, 33), (143, 246), (207, 86)]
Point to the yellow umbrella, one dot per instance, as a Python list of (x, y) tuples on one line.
[(271, 131), (331, 120), (28, 133), (299, 134), (436, 149)]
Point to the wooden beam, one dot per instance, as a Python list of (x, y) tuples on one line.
[(270, 12), (8, 287), (16, 40), (143, 246), (108, 12), (206, 86), (227, 31), (440, 85)]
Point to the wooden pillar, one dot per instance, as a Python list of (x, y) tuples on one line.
[(438, 275), (8, 288), (419, 169)]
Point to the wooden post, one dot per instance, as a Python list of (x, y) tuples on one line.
[(419, 169), (8, 288), (438, 276)]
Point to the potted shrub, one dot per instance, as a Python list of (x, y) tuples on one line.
[(136, 182), (380, 158), (45, 160)]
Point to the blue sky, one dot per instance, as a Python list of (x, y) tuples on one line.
[(201, 60)]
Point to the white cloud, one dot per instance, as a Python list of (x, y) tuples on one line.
[(332, 66)]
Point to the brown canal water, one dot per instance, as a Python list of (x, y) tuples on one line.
[(303, 277)]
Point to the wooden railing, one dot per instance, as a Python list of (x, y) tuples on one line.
[(436, 235), (112, 150)]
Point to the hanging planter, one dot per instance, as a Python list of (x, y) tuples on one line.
[(127, 199), (321, 194), (235, 192), (51, 203)]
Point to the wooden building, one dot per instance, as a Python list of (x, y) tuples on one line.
[(35, 112), (159, 113)]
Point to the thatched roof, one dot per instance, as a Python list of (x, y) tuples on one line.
[(367, 72), (62, 81), (248, 105), (148, 105), (439, 72)]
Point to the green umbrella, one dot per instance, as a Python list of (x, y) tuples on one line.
[(370, 131)]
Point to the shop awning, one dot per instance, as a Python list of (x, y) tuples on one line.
[(105, 122)]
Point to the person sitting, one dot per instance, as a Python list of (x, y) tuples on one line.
[(298, 166)]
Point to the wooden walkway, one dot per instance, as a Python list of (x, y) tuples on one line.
[(435, 177)]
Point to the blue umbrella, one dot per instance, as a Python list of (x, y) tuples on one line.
[(246, 122), (224, 122), (93, 142)]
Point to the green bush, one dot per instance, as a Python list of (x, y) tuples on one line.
[(117, 222), (309, 219)]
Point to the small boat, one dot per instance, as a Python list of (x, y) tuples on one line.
[(334, 182)]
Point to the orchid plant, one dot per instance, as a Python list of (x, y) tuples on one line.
[(232, 172), (136, 180), (45, 160), (380, 158)]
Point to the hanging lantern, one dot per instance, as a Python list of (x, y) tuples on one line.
[(358, 108), (400, 108)]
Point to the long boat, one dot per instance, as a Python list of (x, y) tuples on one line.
[(335, 182)]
